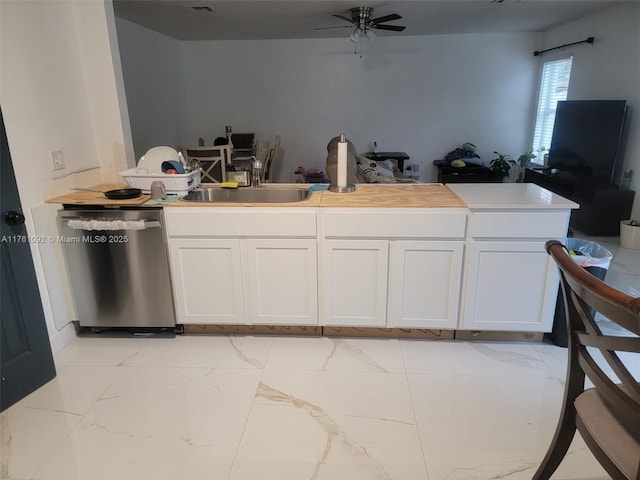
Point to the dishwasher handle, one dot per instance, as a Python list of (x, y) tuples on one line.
[(109, 225)]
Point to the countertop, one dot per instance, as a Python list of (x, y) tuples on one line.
[(412, 195), (81, 197), (509, 196), (460, 195), (365, 196)]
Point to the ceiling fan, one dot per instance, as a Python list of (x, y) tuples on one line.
[(362, 23)]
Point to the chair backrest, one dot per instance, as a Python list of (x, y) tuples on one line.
[(244, 144), (581, 291), (217, 152), (213, 161)]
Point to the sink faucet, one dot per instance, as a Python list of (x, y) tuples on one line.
[(256, 169)]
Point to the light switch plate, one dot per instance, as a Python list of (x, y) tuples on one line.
[(58, 160)]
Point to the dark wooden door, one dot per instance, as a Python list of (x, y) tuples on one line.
[(25, 351)]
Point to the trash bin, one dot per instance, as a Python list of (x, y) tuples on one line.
[(595, 259)]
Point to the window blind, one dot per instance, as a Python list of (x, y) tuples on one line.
[(554, 86)]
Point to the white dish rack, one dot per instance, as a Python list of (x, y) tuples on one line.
[(178, 184)]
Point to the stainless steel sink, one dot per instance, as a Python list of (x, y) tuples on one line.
[(247, 195)]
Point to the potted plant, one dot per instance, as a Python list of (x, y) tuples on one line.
[(523, 161), (500, 166)]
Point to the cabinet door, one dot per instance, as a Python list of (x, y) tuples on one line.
[(511, 286), (282, 280), (425, 284), (353, 284), (207, 280)]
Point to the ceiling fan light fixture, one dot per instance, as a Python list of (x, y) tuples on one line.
[(363, 24)]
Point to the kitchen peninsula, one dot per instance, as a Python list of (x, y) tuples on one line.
[(463, 257)]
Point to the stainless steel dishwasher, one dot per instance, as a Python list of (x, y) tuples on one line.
[(118, 266)]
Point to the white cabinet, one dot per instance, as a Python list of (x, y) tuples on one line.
[(282, 281), (511, 286), (425, 284), (434, 268), (511, 283), (391, 268), (244, 267), (354, 282), (207, 280)]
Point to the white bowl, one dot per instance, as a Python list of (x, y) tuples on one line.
[(152, 160)]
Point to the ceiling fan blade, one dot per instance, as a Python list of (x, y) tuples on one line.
[(393, 28), (342, 17), (328, 28), (387, 18)]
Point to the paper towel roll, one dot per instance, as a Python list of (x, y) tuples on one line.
[(342, 162)]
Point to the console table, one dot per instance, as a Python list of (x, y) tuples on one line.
[(602, 205), (471, 174)]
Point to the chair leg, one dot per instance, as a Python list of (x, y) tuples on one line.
[(566, 428), (565, 432)]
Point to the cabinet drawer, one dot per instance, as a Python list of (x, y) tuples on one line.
[(238, 222), (396, 223), (520, 224)]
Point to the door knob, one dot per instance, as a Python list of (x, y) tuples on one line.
[(13, 218)]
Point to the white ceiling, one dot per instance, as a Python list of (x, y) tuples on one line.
[(267, 19)]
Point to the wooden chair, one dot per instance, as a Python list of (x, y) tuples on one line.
[(608, 415), (213, 161), (267, 174), (262, 151)]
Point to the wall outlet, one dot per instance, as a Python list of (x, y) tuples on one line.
[(58, 160)]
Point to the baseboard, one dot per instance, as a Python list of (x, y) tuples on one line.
[(192, 329), (62, 337), (388, 332), (499, 336), (373, 332)]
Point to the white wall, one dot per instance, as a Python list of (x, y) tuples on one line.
[(607, 70), (44, 99), (422, 95), (154, 83), (59, 91)]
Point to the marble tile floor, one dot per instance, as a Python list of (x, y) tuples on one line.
[(292, 408), (244, 407)]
